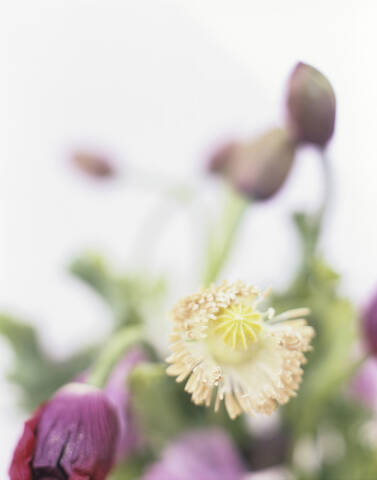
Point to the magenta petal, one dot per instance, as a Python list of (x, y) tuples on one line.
[(20, 465), (364, 385)]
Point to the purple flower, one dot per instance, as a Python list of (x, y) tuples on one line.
[(369, 323), (73, 437), (311, 105), (200, 455), (116, 390), (364, 385)]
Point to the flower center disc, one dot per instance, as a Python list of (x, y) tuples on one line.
[(238, 325)]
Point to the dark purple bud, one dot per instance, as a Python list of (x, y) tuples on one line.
[(259, 168), (311, 105), (205, 454), (369, 322), (73, 437), (93, 164)]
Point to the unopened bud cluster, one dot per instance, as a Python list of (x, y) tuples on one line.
[(259, 167)]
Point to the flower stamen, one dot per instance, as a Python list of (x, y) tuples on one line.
[(223, 341)]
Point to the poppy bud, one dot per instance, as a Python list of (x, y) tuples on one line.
[(311, 105), (259, 168), (369, 323), (130, 437), (220, 157), (93, 164), (73, 437)]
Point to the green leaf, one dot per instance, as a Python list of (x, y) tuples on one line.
[(128, 296), (34, 371), (165, 410), (158, 403), (130, 469), (326, 378)]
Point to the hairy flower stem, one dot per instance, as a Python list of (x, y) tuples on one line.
[(222, 236), (117, 346)]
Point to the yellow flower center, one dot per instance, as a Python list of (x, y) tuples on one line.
[(238, 325)]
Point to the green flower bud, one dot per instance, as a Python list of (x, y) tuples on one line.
[(311, 105)]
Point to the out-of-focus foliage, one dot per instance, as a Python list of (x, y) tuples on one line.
[(322, 411), (34, 371), (128, 296), (322, 404), (165, 410), (157, 402), (130, 469)]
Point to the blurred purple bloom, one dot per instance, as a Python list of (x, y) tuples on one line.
[(200, 455), (364, 385), (116, 390), (369, 323), (73, 437)]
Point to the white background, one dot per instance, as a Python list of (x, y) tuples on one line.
[(156, 84)]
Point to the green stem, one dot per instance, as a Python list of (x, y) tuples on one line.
[(328, 184), (117, 346), (222, 235), (310, 225)]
